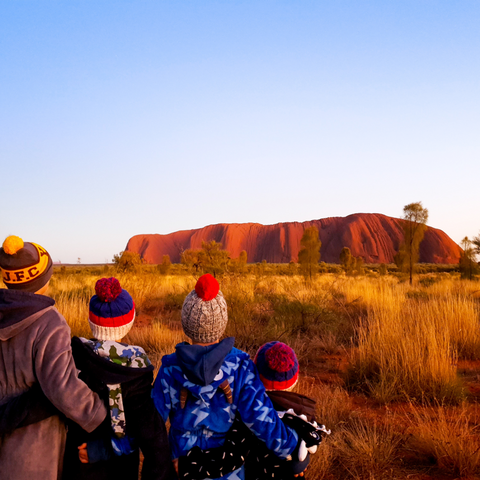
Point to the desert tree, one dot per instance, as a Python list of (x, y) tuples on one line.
[(165, 266), (415, 217), (239, 264), (468, 266), (476, 244), (309, 254), (359, 268), (212, 258), (127, 261), (347, 260), (243, 258), (292, 268), (190, 258), (352, 265)]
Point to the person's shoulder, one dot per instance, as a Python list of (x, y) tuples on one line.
[(236, 353), (52, 315), (238, 361), (52, 321), (169, 360)]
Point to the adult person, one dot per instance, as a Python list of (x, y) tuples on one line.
[(201, 387), (35, 352)]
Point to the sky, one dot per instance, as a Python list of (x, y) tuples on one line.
[(120, 118)]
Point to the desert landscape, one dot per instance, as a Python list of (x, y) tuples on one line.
[(319, 160), (394, 368)]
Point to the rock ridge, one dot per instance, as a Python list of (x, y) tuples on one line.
[(373, 236)]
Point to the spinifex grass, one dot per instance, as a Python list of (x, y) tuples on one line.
[(450, 436), (366, 449), (402, 354)]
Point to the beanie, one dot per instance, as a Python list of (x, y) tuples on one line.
[(204, 311), (277, 365), (24, 266), (112, 310)]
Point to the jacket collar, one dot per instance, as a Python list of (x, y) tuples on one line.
[(18, 310), (201, 364)]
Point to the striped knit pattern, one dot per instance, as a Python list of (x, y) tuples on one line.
[(101, 332)]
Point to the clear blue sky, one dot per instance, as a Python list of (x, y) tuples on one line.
[(126, 117)]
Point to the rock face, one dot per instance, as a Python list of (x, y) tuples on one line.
[(374, 237)]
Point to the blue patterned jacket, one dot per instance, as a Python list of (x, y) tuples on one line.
[(207, 415)]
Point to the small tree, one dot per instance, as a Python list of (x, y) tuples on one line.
[(212, 258), (127, 261), (238, 265), (190, 258), (164, 267), (468, 266), (476, 244), (242, 259), (292, 268), (359, 266), (347, 260), (415, 217), (309, 254)]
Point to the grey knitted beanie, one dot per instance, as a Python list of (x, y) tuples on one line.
[(204, 311)]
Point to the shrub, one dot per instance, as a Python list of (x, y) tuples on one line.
[(366, 449), (450, 438)]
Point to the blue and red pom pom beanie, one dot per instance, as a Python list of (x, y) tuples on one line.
[(112, 310), (277, 365)]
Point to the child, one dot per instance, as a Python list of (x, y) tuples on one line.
[(36, 358), (122, 375), (277, 365), (203, 386)]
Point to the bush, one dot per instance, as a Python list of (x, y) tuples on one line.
[(450, 438)]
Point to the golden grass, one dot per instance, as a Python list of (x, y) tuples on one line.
[(407, 339), (404, 343), (401, 355), (366, 449), (450, 437)]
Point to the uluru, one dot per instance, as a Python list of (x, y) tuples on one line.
[(373, 236)]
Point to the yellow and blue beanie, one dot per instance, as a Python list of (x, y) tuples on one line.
[(24, 266)]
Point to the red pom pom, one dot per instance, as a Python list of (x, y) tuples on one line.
[(280, 357), (207, 287), (108, 289)]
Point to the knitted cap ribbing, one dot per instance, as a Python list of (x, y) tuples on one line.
[(111, 310)]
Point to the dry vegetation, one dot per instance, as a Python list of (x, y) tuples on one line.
[(394, 368)]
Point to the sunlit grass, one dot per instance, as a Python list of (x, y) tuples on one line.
[(403, 344), (450, 437)]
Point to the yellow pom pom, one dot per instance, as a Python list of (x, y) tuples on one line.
[(12, 244)]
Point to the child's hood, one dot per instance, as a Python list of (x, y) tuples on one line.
[(18, 310), (123, 362), (201, 365)]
